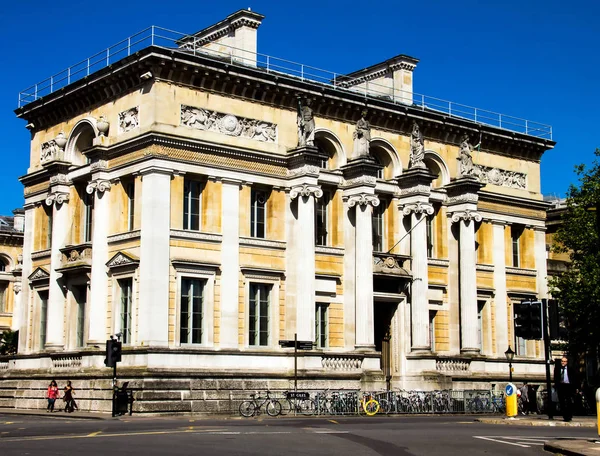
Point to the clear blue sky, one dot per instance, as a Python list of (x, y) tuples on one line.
[(533, 59)]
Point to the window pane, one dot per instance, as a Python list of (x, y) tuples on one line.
[(191, 204), (130, 205), (257, 214), (3, 287), (126, 300), (81, 298), (43, 317)]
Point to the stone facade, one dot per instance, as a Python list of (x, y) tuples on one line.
[(11, 263), (181, 213)]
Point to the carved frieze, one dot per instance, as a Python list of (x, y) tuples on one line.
[(360, 180), (497, 176), (57, 198), (99, 164), (228, 124), (121, 259), (306, 169), (76, 254), (128, 120), (416, 189), (306, 190), (59, 179), (417, 208), (98, 185), (466, 216), (363, 199), (39, 274), (464, 198), (50, 151)]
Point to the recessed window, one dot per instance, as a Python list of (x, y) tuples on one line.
[(258, 206), (430, 235), (49, 219), (515, 234), (80, 300), (3, 265), (88, 216), (130, 191), (191, 313), (126, 291), (43, 297), (192, 191), (258, 314), (3, 287), (322, 325), (432, 315), (480, 309), (322, 218), (378, 226)]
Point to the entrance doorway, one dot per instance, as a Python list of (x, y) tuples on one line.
[(383, 314)]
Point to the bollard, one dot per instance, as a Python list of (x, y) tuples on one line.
[(598, 409), (511, 400)]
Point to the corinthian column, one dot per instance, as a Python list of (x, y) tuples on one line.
[(364, 203), (305, 259), (55, 334), (468, 279), (420, 285), (99, 280)]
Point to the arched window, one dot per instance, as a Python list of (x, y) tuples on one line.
[(81, 139), (386, 156), (436, 166), (329, 145), (3, 265)]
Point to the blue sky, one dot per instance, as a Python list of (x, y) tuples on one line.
[(532, 59)]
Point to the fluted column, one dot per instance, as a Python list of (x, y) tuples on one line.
[(420, 285), (55, 333), (364, 203), (304, 240), (500, 297), (20, 310), (99, 278), (230, 264), (468, 279), (153, 303)]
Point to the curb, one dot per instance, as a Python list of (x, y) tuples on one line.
[(549, 423), (56, 415), (589, 447)]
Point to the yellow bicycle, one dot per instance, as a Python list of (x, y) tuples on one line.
[(368, 405)]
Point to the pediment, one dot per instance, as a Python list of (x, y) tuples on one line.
[(123, 259), (39, 274)]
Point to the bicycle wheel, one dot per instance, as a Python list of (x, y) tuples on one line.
[(385, 406), (247, 409), (371, 407), (273, 407), (308, 407), (286, 406)]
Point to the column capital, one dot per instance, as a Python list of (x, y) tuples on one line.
[(362, 199), (306, 190), (466, 216), (56, 198), (99, 185), (417, 208)]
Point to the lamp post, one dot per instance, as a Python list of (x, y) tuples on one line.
[(510, 354)]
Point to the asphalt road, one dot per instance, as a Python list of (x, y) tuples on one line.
[(385, 436)]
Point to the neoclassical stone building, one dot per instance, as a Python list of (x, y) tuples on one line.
[(207, 203), (11, 244)]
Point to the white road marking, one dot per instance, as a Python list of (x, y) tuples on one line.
[(500, 441)]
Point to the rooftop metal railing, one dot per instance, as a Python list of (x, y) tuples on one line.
[(157, 36)]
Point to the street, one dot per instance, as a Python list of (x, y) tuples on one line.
[(385, 436)]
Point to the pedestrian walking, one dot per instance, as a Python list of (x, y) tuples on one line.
[(524, 390), (565, 381), (70, 404), (52, 394), (532, 396)]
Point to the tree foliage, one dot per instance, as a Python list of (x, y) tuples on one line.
[(578, 289), (9, 341)]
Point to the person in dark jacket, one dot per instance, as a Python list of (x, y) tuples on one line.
[(566, 384)]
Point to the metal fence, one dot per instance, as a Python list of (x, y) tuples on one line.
[(165, 38)]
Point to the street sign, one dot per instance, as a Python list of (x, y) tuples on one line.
[(301, 344), (286, 343), (297, 395), (509, 389)]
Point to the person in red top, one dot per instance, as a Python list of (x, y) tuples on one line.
[(52, 394)]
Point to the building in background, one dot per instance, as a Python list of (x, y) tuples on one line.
[(205, 202), (11, 248)]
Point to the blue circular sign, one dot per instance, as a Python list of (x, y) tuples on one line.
[(509, 390)]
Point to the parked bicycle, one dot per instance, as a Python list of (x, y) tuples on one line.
[(256, 403)]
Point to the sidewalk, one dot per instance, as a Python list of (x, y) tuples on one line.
[(570, 447), (541, 420), (60, 414)]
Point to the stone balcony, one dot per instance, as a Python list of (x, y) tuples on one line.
[(390, 264), (76, 259)]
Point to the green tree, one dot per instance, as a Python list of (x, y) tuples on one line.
[(9, 342), (578, 289)]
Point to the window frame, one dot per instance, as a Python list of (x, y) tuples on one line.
[(3, 295), (259, 328), (118, 309), (130, 192), (322, 206), (321, 309), (515, 234), (378, 225), (430, 230), (189, 184), (255, 223), (268, 277), (43, 320), (88, 216)]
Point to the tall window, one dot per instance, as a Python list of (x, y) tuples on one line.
[(432, 314), (3, 287), (480, 307), (322, 325), (515, 234), (378, 226), (50, 218), (130, 190), (43, 317), (192, 299), (125, 286), (430, 235), (321, 218), (258, 313), (88, 216), (192, 191), (2, 265), (258, 202), (80, 298)]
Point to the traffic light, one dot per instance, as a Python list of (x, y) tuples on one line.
[(535, 320), (113, 352), (522, 320)]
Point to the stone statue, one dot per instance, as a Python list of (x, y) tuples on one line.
[(306, 125), (466, 166), (362, 137), (417, 148)]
